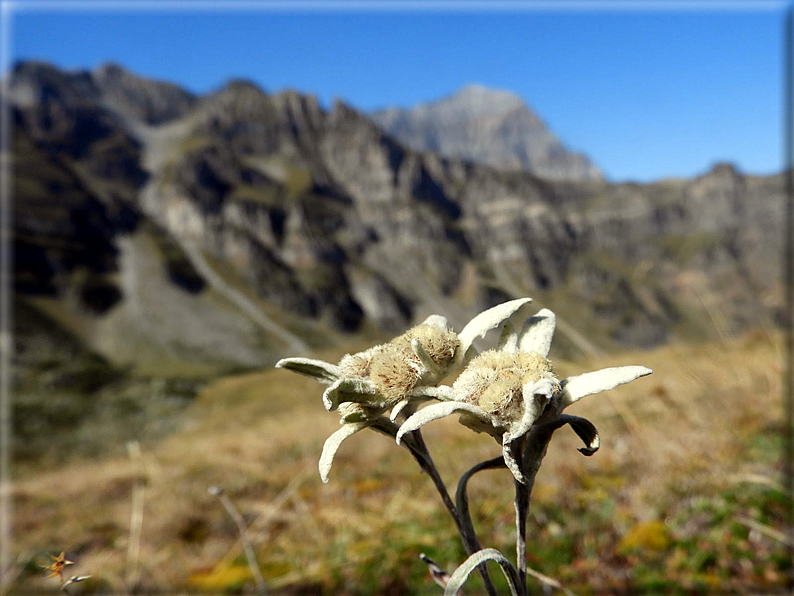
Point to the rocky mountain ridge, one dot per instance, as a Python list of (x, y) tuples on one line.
[(240, 202)]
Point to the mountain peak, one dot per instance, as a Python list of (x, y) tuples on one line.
[(475, 100), (488, 126), (477, 91), (140, 98), (110, 69), (32, 82)]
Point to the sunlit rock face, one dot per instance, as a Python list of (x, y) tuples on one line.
[(320, 214)]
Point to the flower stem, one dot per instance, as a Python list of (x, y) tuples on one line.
[(522, 510), (466, 531), (530, 456)]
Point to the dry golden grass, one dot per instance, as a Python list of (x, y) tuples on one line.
[(693, 430)]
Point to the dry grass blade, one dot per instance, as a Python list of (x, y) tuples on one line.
[(136, 520), (439, 576), (549, 581), (250, 555), (73, 580), (13, 572), (764, 529), (282, 498), (758, 479)]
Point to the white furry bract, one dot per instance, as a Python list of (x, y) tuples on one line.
[(317, 369), (579, 386), (332, 444), (487, 320), (538, 332), (436, 411), (351, 390), (536, 396), (508, 342), (436, 321), (461, 574)]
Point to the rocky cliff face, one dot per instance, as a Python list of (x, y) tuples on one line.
[(151, 102), (489, 127), (274, 221)]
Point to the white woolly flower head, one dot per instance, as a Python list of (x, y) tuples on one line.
[(421, 355), (507, 391), (495, 380)]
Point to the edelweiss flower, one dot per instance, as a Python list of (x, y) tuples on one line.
[(394, 375), (504, 392)]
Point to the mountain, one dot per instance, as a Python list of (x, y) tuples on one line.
[(275, 204), (486, 126), (278, 206), (159, 235)]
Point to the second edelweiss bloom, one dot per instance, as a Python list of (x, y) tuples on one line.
[(504, 392)]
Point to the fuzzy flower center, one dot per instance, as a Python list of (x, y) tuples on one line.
[(494, 381), (394, 368)]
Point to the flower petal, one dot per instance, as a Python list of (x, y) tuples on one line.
[(332, 444), (508, 342), (426, 393), (586, 431), (399, 407), (582, 426), (419, 351), (360, 391), (436, 411), (461, 574), (324, 372), (510, 460), (487, 320), (436, 321), (575, 388), (536, 396), (537, 333)]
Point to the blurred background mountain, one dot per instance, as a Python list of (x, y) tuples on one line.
[(486, 126), (157, 230)]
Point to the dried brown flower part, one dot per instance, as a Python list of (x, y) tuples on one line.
[(358, 365), (57, 566), (395, 373), (401, 364)]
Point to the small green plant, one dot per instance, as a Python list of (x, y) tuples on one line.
[(510, 392)]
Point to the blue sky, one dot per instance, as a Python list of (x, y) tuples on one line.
[(646, 94)]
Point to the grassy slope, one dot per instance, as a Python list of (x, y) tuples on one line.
[(686, 454)]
